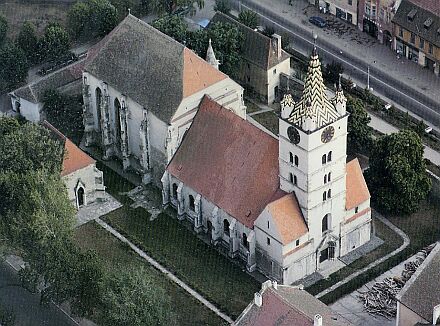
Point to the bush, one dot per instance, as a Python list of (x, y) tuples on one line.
[(7, 318), (3, 29), (223, 6), (249, 18)]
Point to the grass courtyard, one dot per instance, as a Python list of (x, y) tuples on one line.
[(181, 251), (117, 257)]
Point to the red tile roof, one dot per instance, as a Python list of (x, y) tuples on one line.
[(74, 158), (229, 161), (357, 190)]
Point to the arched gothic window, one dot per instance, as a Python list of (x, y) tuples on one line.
[(325, 179), (329, 156), (117, 108), (226, 227), (324, 223), (174, 191), (324, 196), (296, 160), (192, 205), (329, 193), (324, 159), (245, 241), (98, 97), (291, 157), (329, 178)]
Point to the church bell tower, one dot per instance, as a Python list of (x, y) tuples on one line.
[(312, 152)]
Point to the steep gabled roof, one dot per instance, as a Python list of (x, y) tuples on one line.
[(422, 11), (74, 158), (229, 161), (150, 67), (357, 190), (256, 48), (288, 218)]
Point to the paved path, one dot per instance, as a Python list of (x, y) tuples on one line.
[(165, 271), (405, 244)]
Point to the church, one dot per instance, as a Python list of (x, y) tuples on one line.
[(286, 206), (141, 90)]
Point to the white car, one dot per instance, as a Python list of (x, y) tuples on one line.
[(428, 130)]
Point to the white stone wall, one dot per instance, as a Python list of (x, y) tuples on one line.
[(30, 111), (273, 78), (87, 178), (265, 228)]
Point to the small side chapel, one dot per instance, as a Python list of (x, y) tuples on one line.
[(287, 206)]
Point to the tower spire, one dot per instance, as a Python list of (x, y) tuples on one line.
[(210, 56)]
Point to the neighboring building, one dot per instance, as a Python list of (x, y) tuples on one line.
[(84, 182), (344, 9), (28, 100), (283, 305), (417, 32), (418, 303), (287, 206), (263, 60), (375, 18), (141, 91)]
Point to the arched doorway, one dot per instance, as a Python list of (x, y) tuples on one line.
[(80, 197), (117, 108), (98, 97)]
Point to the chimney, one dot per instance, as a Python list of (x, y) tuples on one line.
[(317, 321), (258, 299), (276, 43), (435, 314)]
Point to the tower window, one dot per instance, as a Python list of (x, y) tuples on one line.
[(324, 196), (296, 160), (226, 227), (329, 193), (329, 156), (295, 180), (329, 177), (356, 209), (268, 241), (297, 242), (324, 159), (192, 205), (325, 179), (324, 223), (267, 224), (291, 177), (291, 157)]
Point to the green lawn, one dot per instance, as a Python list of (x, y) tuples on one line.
[(268, 120), (193, 261), (118, 256), (392, 242)]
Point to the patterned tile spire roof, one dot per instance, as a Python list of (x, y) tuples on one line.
[(314, 106)]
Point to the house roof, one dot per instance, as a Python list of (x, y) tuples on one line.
[(357, 190), (422, 291), (229, 161), (256, 48), (314, 103), (288, 218), (74, 158), (150, 67), (423, 11), (286, 306), (34, 91)]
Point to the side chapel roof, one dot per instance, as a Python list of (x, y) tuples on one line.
[(150, 67), (314, 102), (256, 47), (356, 187), (74, 158), (229, 161)]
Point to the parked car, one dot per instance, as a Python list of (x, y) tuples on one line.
[(387, 106), (428, 130), (318, 21)]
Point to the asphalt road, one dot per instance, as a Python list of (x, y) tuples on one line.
[(355, 67), (25, 305)]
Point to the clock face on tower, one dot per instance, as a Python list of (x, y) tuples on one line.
[(327, 134), (293, 135)]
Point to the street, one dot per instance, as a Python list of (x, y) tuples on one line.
[(383, 83)]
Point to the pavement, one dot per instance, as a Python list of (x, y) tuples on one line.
[(26, 305), (100, 207)]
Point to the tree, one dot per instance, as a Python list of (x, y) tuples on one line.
[(3, 29), (13, 67), (268, 31), (359, 133), (180, 7), (90, 18), (249, 18), (332, 72), (55, 42), (30, 148), (173, 26), (27, 40), (223, 6), (132, 298), (65, 113), (397, 175)]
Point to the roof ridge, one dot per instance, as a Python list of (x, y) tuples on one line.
[(289, 303)]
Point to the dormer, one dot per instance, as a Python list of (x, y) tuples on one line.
[(412, 14)]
